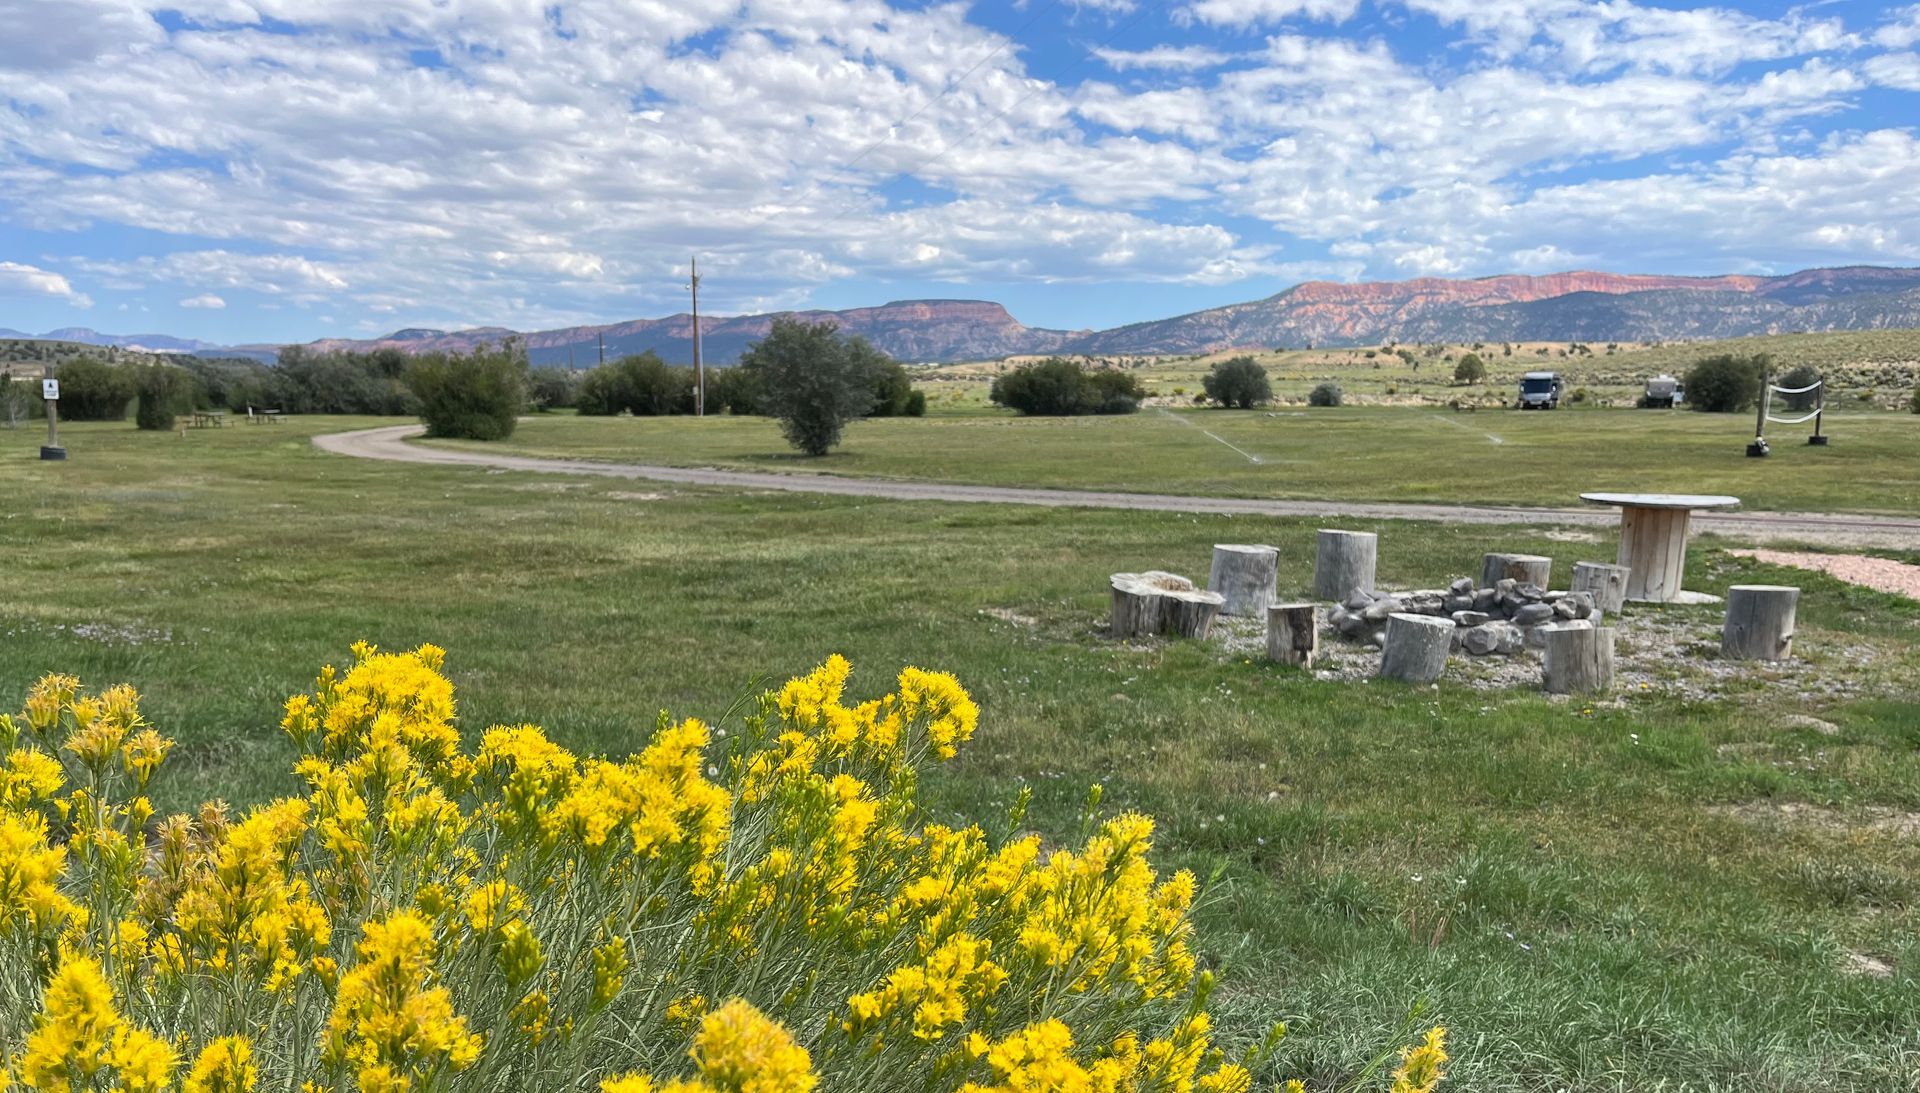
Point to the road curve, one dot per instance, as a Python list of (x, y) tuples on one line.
[(389, 443)]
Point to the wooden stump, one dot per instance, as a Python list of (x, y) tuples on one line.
[(1293, 633), (1606, 583), (1653, 543), (1522, 568), (1137, 601), (1759, 623), (1189, 614), (1244, 575), (1416, 649), (1578, 660), (1343, 563)]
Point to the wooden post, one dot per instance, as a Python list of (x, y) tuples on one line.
[(1759, 624), (1578, 660), (1245, 576), (1653, 544), (1606, 583), (1530, 569), (1293, 633), (1189, 613), (1137, 602), (1343, 563), (1416, 649)]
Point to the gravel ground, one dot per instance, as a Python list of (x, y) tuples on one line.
[(1883, 574)]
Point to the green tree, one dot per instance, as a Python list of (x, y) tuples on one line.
[(1059, 387), (93, 390), (1800, 375), (1471, 369), (475, 396), (16, 399), (892, 389), (733, 391), (553, 389), (1239, 382), (1326, 394), (814, 380), (1725, 383), (165, 391)]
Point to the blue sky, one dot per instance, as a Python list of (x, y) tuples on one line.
[(279, 170)]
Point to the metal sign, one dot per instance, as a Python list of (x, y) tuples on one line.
[(50, 390)]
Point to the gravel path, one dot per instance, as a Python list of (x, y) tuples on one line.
[(389, 443), (1882, 574)]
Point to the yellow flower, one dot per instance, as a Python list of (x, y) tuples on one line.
[(79, 1034), (1421, 1066), (610, 966), (29, 872), (738, 1048), (388, 1023), (29, 777), (224, 1066), (491, 905)]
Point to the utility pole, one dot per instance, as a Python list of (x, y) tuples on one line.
[(602, 335), (699, 369)]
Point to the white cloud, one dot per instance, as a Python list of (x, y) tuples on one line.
[(208, 301), (1175, 58), (1900, 71), (1248, 13), (16, 277)]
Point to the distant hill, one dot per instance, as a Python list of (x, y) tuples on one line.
[(910, 330), (1558, 307), (1578, 306)]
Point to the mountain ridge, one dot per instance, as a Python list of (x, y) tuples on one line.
[(1580, 305)]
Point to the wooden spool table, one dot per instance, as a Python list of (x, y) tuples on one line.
[(1653, 541)]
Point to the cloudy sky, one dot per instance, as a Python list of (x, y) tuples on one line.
[(242, 170)]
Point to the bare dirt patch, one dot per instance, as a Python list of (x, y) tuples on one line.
[(1882, 574), (1875, 819)]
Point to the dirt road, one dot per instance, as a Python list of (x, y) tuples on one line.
[(1831, 529)]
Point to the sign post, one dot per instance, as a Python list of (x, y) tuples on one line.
[(50, 391)]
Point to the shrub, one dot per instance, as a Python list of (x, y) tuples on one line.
[(1580, 394), (164, 392), (475, 396), (737, 391), (1326, 394), (814, 380), (16, 399), (1471, 369), (1238, 382), (553, 388), (640, 384), (916, 404), (306, 382), (1800, 375), (1725, 383), (892, 388), (1057, 387), (1914, 403), (776, 907), (93, 390)]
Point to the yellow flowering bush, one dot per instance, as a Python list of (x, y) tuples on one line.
[(761, 912)]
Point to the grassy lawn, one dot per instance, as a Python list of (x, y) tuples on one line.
[(1664, 890), (1356, 453)]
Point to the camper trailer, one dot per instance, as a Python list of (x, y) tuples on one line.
[(1539, 391)]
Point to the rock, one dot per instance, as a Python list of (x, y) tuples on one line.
[(1533, 614), (1562, 609), (1378, 610), (1536, 638), (1506, 586), (1379, 639), (1485, 599), (1583, 605), (1456, 640), (1512, 638), (1352, 624), (1531, 592), (1470, 618), (1511, 604), (1462, 587), (1482, 639), (1358, 601), (1553, 597), (1457, 602)]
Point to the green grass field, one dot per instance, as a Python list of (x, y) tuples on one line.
[(1353, 453), (1605, 896)]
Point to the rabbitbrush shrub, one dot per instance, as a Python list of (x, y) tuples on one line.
[(755, 912)]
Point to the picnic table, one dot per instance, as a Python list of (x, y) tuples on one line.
[(208, 419), (1653, 540)]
